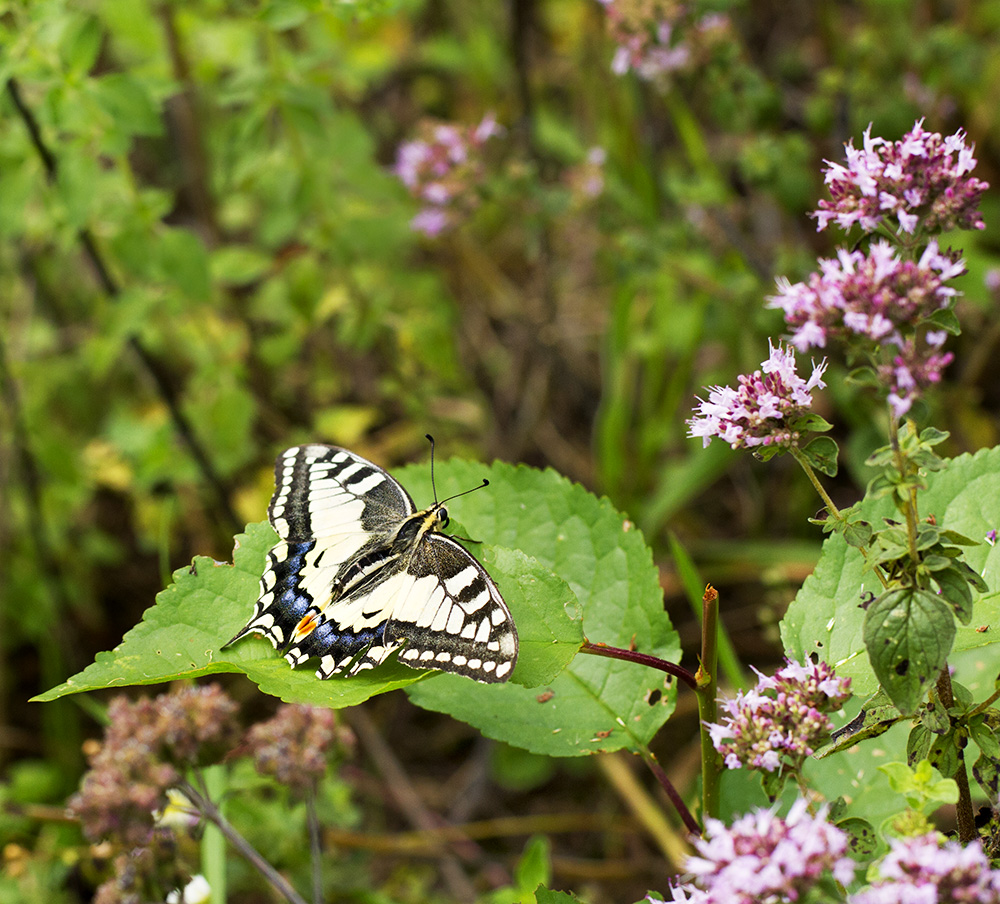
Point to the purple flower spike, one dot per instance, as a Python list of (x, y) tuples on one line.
[(659, 38), (782, 719), (922, 181), (877, 301), (443, 169), (876, 296), (760, 411), (927, 868)]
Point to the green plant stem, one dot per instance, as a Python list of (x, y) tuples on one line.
[(964, 813), (910, 509), (811, 474), (986, 704), (315, 846), (708, 707), (212, 813), (602, 649), (831, 505), (729, 663), (213, 842)]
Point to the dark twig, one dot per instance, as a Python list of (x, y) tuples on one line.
[(189, 138), (521, 16), (152, 365), (56, 647), (51, 571), (967, 831), (690, 823), (211, 812), (653, 662), (315, 847)]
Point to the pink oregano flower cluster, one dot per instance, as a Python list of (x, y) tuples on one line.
[(921, 180), (763, 857), (927, 868), (877, 299), (890, 306), (782, 719), (762, 410), (874, 295), (655, 38), (442, 168)]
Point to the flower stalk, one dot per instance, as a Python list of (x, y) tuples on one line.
[(964, 814), (211, 812), (708, 706)]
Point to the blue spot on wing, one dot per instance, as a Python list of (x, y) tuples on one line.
[(330, 638), (290, 603)]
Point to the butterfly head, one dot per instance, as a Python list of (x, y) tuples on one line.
[(438, 512), (413, 528)]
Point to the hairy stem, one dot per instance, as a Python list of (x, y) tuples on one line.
[(832, 507), (910, 510), (815, 481)]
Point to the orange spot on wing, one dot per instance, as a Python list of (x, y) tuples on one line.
[(305, 627)]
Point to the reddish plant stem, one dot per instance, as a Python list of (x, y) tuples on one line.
[(653, 662), (687, 817)]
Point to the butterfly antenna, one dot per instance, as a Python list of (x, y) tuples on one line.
[(485, 483), (430, 439)]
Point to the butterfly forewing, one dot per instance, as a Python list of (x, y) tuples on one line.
[(328, 505), (358, 573)]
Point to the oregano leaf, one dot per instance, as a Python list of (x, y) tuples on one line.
[(908, 634), (822, 454), (825, 617)]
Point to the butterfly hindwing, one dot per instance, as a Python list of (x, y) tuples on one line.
[(453, 617), (358, 573)]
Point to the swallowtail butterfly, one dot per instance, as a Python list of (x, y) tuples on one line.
[(359, 573)]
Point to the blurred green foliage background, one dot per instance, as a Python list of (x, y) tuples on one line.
[(205, 257)]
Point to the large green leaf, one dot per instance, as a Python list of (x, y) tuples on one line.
[(908, 633), (826, 617), (586, 559), (596, 704), (182, 635)]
